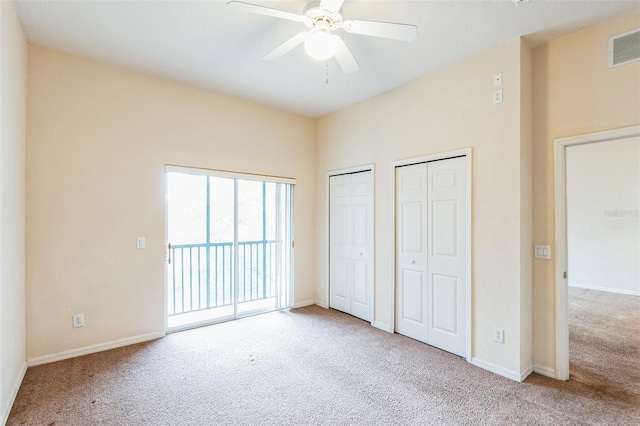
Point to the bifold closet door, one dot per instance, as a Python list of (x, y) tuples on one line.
[(411, 251), (351, 244), (431, 233)]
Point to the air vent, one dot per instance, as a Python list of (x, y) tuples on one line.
[(624, 48)]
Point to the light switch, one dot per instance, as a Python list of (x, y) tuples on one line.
[(542, 252), (497, 79), (141, 242)]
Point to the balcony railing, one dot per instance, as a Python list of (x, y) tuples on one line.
[(201, 275)]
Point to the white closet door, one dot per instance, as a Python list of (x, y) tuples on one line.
[(447, 238), (431, 236), (411, 251), (351, 244), (362, 245), (340, 243)]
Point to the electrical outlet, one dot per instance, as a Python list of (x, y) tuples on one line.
[(498, 335), (78, 320), (497, 96), (322, 284), (542, 252)]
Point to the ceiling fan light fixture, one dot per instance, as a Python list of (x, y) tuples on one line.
[(322, 17), (320, 45)]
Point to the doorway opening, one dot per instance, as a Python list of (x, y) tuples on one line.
[(229, 246), (597, 193)]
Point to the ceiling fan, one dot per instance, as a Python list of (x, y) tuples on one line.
[(322, 18)]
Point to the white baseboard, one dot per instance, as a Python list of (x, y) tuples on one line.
[(526, 373), (6, 408), (509, 374), (322, 304), (382, 326), (607, 289), (544, 370), (45, 359), (303, 304)]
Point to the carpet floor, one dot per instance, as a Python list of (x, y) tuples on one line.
[(317, 366)]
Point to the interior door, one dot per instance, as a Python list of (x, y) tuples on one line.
[(446, 239), (431, 238), (339, 243), (362, 245), (411, 251), (351, 244)]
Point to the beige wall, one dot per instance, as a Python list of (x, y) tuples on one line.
[(98, 138), (574, 93), (447, 110), (13, 87), (526, 205), (603, 215)]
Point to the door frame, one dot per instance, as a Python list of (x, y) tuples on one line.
[(561, 264), (327, 273), (468, 154)]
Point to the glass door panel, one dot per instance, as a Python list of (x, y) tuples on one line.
[(261, 238), (200, 267)]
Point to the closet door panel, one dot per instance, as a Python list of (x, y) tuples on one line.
[(340, 243), (411, 251), (362, 245), (447, 236)]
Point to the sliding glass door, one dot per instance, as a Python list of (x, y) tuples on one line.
[(229, 240)]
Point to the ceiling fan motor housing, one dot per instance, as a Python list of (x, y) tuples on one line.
[(314, 14)]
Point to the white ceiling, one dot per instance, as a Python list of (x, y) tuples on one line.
[(210, 45)]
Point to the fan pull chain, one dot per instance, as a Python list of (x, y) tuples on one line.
[(326, 74)]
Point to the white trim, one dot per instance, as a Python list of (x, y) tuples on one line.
[(469, 171), (198, 324), (86, 350), (382, 326), (322, 304), (290, 202), (355, 169), (468, 153), (504, 372), (560, 197), (167, 252), (526, 373), (303, 304), (235, 250), (227, 318), (544, 370), (6, 409), (228, 174), (605, 289)]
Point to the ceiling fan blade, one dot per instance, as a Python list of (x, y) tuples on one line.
[(285, 47), (344, 57), (261, 10), (332, 5), (404, 32)]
